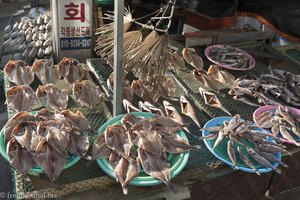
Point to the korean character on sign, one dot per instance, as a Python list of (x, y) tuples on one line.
[(75, 12), (72, 31), (63, 31), (77, 31), (68, 31), (83, 31), (87, 31)]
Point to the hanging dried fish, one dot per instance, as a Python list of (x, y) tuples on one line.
[(191, 57), (129, 107), (212, 100)]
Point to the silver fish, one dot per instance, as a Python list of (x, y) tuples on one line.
[(231, 153), (48, 50), (7, 28), (246, 160), (261, 160), (285, 134)]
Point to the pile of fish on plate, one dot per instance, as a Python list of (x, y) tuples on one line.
[(267, 88), (240, 134), (47, 139), (229, 56), (153, 138), (283, 121), (170, 111), (21, 97), (32, 36)]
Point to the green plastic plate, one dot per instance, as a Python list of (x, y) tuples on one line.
[(177, 161)]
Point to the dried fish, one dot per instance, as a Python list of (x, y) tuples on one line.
[(87, 93), (117, 140), (129, 107), (77, 120), (20, 98), (188, 110), (51, 161), (191, 57), (100, 150), (78, 143), (20, 158), (207, 81), (246, 160), (175, 144), (261, 160), (26, 135), (71, 70), (50, 96), (156, 167), (231, 153), (46, 71), (18, 73), (212, 100), (56, 135), (222, 76), (19, 117)]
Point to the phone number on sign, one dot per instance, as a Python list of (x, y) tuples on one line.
[(75, 43)]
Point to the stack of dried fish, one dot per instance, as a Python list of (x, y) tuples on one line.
[(46, 139), (153, 137), (281, 120), (278, 84), (245, 138), (230, 56), (32, 36), (185, 105)]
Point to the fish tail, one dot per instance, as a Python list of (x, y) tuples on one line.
[(257, 172), (89, 163), (125, 189), (197, 147), (172, 187), (87, 157), (278, 170)]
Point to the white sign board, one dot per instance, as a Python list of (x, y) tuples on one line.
[(73, 30)]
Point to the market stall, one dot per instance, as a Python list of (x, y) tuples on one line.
[(205, 101)]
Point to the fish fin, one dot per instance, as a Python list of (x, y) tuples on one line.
[(197, 146)]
